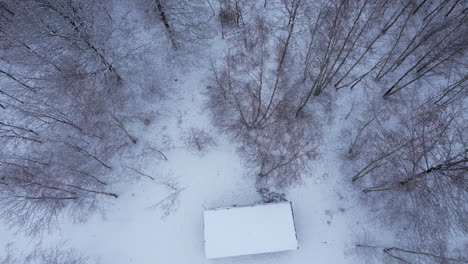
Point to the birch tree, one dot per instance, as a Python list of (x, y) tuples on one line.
[(413, 167), (64, 104)]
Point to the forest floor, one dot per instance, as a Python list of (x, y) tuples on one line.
[(134, 230)]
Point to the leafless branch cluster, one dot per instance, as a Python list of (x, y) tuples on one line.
[(414, 256), (369, 249), (250, 97), (186, 22), (230, 16), (343, 44), (408, 151), (279, 156), (41, 255), (411, 164), (198, 140), (169, 203), (65, 109)]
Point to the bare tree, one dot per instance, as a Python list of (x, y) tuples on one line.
[(251, 84), (185, 22), (230, 15), (408, 153), (250, 98), (279, 156), (409, 255), (412, 167), (342, 40), (36, 188), (440, 40), (66, 110), (56, 255), (198, 140)]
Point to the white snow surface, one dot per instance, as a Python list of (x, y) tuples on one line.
[(326, 216), (131, 230), (261, 228)]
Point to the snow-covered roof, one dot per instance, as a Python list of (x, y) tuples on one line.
[(260, 228)]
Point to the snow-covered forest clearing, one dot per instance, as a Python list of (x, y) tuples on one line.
[(122, 121)]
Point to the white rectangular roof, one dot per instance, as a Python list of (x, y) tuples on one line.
[(261, 228)]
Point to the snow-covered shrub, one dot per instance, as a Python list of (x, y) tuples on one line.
[(198, 140)]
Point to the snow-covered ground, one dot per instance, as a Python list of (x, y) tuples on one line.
[(132, 231), (165, 73)]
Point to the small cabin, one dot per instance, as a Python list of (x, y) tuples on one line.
[(254, 229)]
